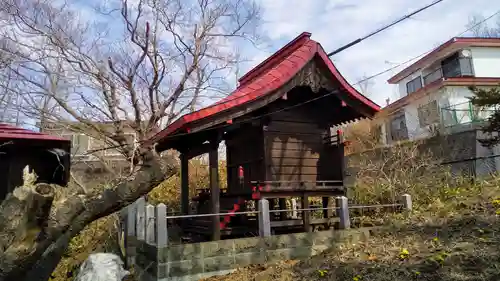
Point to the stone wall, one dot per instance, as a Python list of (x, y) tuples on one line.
[(453, 151), (201, 260)]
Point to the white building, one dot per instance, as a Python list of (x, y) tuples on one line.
[(434, 91)]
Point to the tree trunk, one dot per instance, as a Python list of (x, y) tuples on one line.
[(37, 221)]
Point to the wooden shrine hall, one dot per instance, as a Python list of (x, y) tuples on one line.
[(279, 143)]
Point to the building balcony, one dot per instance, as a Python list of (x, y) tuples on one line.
[(464, 114), (457, 67)]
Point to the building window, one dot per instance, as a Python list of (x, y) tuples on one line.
[(129, 137), (428, 114), (398, 128), (79, 144), (457, 66), (414, 85)]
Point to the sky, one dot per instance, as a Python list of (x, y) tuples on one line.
[(334, 23)]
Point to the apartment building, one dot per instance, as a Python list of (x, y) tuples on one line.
[(89, 146), (434, 91)]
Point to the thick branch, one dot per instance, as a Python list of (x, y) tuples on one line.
[(68, 216)]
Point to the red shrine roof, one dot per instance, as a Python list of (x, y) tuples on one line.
[(8, 132), (267, 77)]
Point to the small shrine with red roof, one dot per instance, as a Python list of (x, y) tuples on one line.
[(277, 128), (48, 156)]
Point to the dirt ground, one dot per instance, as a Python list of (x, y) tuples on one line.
[(459, 247)]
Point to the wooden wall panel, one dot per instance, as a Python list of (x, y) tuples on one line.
[(295, 149), (245, 148)]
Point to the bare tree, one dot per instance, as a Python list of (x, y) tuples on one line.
[(158, 61), (7, 97), (479, 27)]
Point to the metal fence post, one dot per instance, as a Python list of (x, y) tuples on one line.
[(150, 224), (406, 202), (264, 218), (343, 212), (161, 226), (141, 219)]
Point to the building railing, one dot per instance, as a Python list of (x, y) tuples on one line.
[(465, 113), (456, 68), (433, 76)]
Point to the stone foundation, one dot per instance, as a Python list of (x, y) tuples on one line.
[(202, 260)]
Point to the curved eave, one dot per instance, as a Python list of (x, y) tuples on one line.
[(270, 81)]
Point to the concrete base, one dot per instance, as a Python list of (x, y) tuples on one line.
[(198, 276), (203, 260)]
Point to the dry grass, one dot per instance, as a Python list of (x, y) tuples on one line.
[(169, 191), (101, 235), (450, 240), (452, 234)]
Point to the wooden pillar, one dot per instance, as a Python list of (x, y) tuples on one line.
[(282, 203), (341, 153), (272, 203), (306, 215), (327, 214), (184, 184), (213, 159)]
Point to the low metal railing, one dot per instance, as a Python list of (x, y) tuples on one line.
[(149, 223)]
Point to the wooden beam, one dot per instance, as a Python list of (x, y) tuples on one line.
[(198, 150), (184, 184), (287, 194), (300, 222), (213, 160)]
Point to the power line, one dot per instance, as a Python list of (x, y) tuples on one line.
[(428, 51), (317, 98), (349, 45), (358, 82), (383, 28)]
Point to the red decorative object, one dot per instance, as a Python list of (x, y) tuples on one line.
[(256, 195), (241, 173)]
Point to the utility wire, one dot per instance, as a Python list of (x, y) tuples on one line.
[(356, 83), (350, 44), (383, 28), (317, 98), (428, 51)]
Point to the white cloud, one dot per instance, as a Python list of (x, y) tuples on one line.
[(334, 23)]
